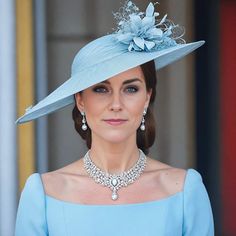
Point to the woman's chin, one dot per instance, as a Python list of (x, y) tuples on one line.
[(116, 137)]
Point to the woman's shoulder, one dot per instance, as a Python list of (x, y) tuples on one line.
[(30, 218), (33, 181), (173, 179), (56, 180), (32, 189), (71, 169)]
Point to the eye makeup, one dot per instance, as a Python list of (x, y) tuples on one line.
[(132, 89), (104, 89), (99, 89)]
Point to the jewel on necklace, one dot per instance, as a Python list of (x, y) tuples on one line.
[(115, 181), (114, 195)]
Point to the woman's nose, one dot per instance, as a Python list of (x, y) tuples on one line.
[(116, 103)]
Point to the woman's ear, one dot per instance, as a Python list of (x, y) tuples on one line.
[(149, 94), (79, 101)]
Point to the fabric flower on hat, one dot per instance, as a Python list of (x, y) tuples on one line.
[(143, 32)]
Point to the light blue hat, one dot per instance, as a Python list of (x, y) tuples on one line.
[(140, 38)]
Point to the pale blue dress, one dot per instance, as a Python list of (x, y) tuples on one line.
[(185, 213)]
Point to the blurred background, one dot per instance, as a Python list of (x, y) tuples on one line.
[(195, 108)]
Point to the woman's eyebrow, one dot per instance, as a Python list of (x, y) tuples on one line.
[(126, 81), (132, 80)]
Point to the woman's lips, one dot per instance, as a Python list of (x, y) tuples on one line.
[(115, 121)]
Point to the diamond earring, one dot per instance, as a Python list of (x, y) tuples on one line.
[(84, 126), (142, 127)]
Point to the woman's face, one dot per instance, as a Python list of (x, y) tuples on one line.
[(114, 108)]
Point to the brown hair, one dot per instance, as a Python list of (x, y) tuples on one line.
[(145, 139)]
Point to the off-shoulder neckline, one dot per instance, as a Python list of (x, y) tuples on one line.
[(177, 194)]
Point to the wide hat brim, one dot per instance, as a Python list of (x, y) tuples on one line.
[(100, 71)]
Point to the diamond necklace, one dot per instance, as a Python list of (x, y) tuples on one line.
[(115, 181)]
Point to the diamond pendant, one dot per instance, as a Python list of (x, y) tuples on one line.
[(114, 195)]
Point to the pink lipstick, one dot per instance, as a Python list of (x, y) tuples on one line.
[(115, 121)]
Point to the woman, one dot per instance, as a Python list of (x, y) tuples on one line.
[(115, 189)]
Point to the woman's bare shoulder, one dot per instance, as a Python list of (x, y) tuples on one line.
[(171, 178), (55, 181)]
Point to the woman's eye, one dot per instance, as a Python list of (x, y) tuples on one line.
[(100, 89), (132, 89)]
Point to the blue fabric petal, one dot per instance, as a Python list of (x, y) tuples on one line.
[(135, 19), (149, 44), (155, 33), (148, 22), (150, 10), (125, 38), (135, 23), (130, 46), (137, 48), (139, 42)]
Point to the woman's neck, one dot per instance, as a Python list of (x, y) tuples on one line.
[(114, 158)]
